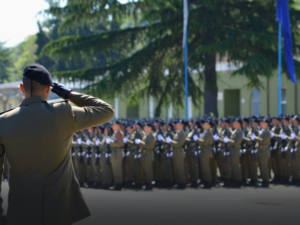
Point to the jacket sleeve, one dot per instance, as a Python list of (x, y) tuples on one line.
[(179, 141), (2, 156), (119, 142), (148, 143), (206, 140), (236, 139), (90, 111), (263, 139)]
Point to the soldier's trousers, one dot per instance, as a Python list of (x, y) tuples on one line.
[(167, 169), (6, 168), (235, 167), (220, 164), (96, 170), (158, 168), (286, 166), (179, 169), (116, 163), (263, 167), (129, 167), (106, 171), (205, 169), (138, 172), (90, 176), (226, 167), (148, 170), (295, 163), (252, 165), (244, 165), (213, 168), (193, 168), (187, 173), (275, 163), (82, 170)]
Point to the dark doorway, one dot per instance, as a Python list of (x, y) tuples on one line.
[(232, 103)]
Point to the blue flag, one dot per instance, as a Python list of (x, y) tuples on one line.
[(283, 16)]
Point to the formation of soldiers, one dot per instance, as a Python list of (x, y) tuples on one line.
[(228, 152)]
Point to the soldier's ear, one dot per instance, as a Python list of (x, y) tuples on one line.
[(22, 88)]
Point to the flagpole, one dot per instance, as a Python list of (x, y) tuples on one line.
[(186, 75), (279, 68)]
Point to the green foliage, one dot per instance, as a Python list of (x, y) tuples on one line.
[(242, 31), (5, 63)]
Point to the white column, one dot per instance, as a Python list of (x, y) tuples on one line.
[(170, 111), (190, 107), (116, 108), (151, 107)]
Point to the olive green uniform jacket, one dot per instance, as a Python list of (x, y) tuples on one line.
[(37, 139)]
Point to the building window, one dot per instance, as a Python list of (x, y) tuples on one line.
[(283, 100), (256, 102)]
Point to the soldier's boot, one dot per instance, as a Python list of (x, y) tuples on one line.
[(137, 186), (252, 183), (117, 187), (148, 187), (227, 183), (294, 182), (105, 186), (167, 184), (206, 185), (213, 183), (158, 183), (264, 184), (97, 185), (194, 184), (285, 181), (275, 180), (244, 182), (128, 184), (181, 186), (236, 184), (90, 184), (81, 184)]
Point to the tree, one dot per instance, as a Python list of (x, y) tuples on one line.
[(245, 31), (5, 63)]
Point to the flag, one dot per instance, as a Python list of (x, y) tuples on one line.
[(185, 21), (283, 16)]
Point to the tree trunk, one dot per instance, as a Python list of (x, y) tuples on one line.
[(211, 88)]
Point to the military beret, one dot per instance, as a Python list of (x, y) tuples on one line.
[(140, 124), (209, 122), (286, 118), (162, 123), (149, 125), (101, 128), (297, 118), (198, 123), (171, 125), (118, 122), (246, 120), (265, 120), (277, 118), (239, 121), (227, 121), (38, 73), (255, 120)]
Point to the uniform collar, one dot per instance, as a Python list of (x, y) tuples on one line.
[(31, 100)]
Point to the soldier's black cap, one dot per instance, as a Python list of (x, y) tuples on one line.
[(101, 128), (209, 122), (265, 120), (162, 123), (38, 73), (140, 124), (171, 125), (227, 121), (149, 125), (246, 120), (239, 121), (286, 118), (118, 122), (277, 118), (129, 125), (198, 123), (297, 118), (255, 120)]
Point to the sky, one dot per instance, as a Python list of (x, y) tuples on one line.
[(18, 19)]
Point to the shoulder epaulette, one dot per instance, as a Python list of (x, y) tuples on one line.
[(7, 111)]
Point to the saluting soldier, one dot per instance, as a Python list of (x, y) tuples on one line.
[(39, 152), (263, 141), (205, 143), (147, 150), (116, 143), (245, 152)]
